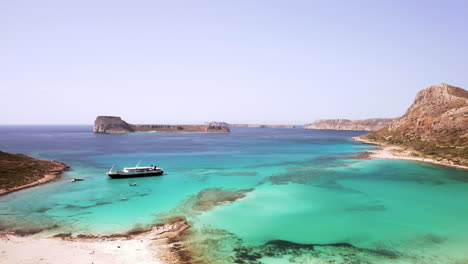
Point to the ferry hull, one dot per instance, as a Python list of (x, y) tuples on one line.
[(133, 175)]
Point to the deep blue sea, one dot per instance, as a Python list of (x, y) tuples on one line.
[(304, 197)]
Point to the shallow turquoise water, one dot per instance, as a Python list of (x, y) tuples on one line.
[(307, 189)]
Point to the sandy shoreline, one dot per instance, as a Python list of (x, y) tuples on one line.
[(153, 246), (387, 151), (51, 175), (15, 249)]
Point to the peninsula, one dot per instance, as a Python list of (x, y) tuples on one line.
[(115, 125), (261, 126), (434, 129), (372, 124), (18, 171)]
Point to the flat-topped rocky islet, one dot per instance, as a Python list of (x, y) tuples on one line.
[(115, 125)]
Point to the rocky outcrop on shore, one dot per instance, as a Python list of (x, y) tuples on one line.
[(115, 125), (372, 124), (18, 171), (435, 126), (261, 126)]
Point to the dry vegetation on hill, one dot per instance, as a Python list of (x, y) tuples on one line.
[(17, 170), (436, 125)]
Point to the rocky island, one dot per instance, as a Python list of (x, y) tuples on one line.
[(434, 129), (115, 125), (372, 124), (18, 171)]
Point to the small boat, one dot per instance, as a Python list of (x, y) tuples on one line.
[(136, 171), (133, 184), (77, 179)]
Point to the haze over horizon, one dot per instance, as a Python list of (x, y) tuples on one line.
[(269, 62)]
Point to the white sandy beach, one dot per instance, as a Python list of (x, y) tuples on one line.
[(145, 248), (386, 151), (16, 250)]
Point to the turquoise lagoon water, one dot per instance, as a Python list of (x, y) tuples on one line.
[(307, 200)]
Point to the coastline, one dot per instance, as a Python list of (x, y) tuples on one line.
[(49, 176), (154, 246), (388, 151)]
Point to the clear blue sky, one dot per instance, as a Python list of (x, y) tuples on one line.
[(65, 62)]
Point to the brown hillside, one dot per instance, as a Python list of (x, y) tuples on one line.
[(436, 125), (18, 171)]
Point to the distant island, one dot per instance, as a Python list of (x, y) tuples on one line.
[(372, 124), (261, 126), (115, 125), (18, 171), (434, 129)]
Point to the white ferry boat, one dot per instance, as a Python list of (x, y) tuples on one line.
[(136, 171)]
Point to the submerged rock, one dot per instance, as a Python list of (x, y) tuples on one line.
[(207, 199)]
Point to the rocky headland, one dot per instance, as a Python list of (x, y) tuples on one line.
[(18, 171), (115, 125), (372, 124), (434, 129)]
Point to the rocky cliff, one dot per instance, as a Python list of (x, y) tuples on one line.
[(111, 124), (372, 124), (115, 124), (435, 125)]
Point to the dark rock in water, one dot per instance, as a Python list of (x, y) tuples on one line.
[(239, 173), (244, 256), (212, 197), (80, 207), (63, 235), (434, 239), (288, 244), (115, 125), (212, 245), (42, 210), (33, 231)]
